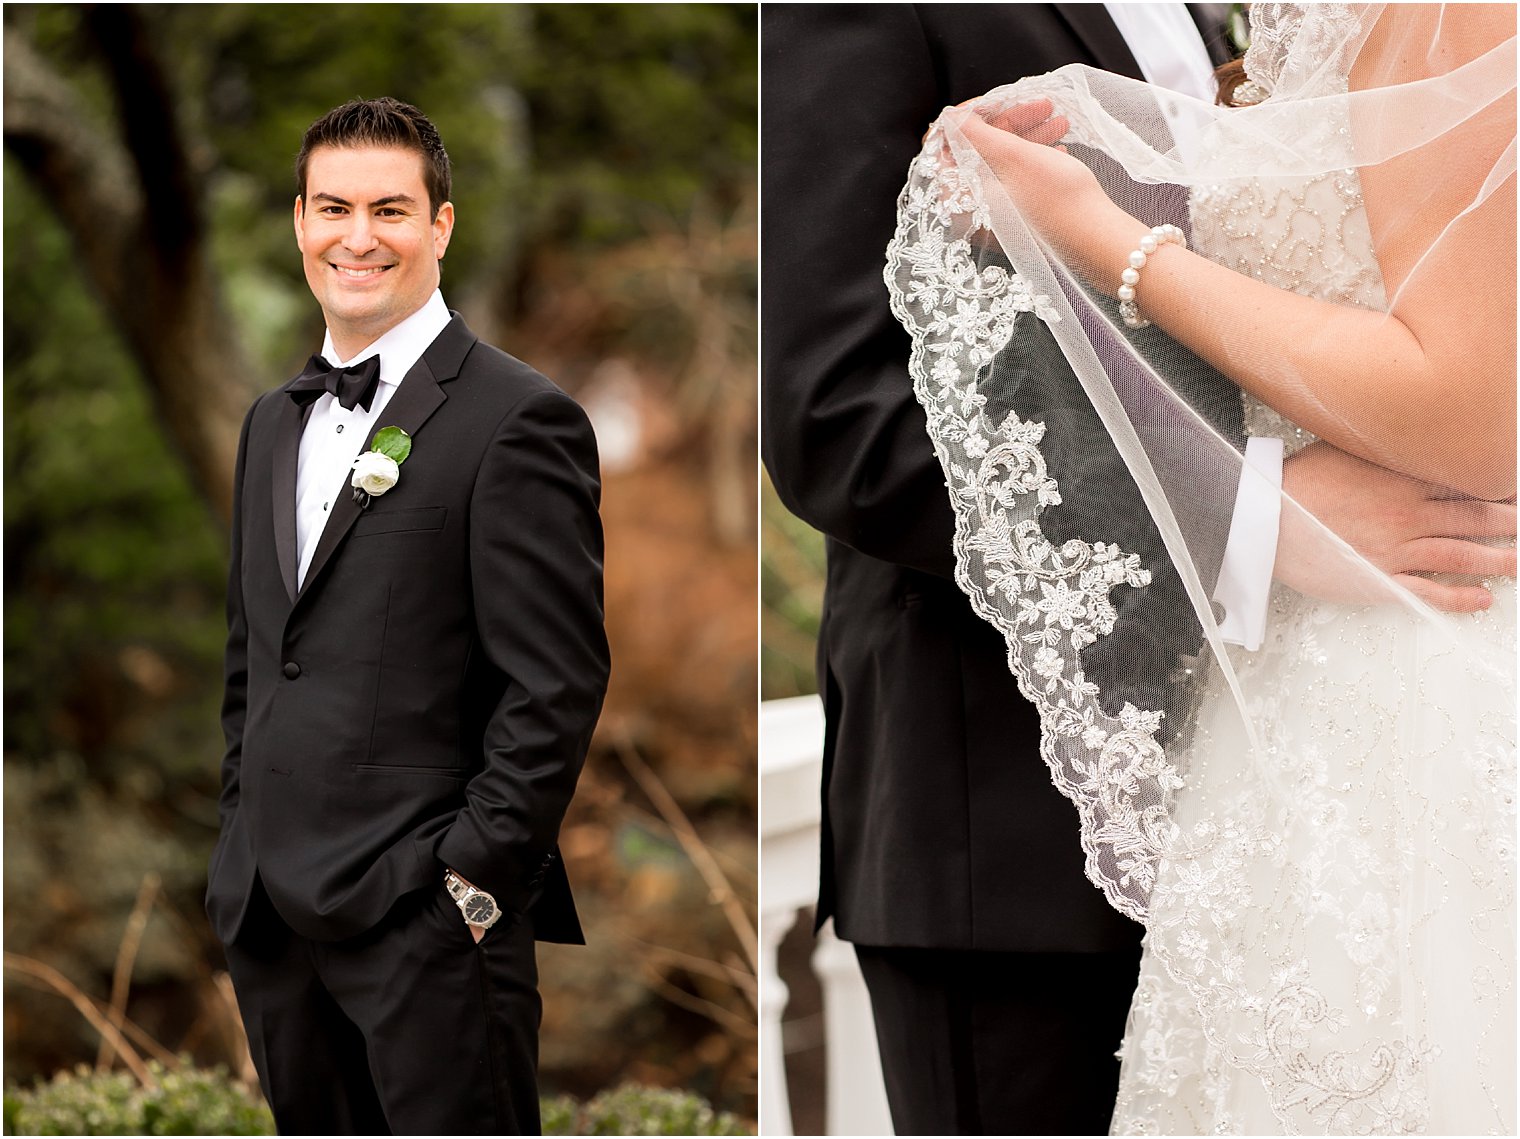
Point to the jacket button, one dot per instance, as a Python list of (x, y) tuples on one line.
[(292, 670)]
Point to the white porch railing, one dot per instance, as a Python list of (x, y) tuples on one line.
[(791, 765)]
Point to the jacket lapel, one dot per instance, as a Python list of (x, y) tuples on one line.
[(1097, 31), (287, 446), (417, 397)]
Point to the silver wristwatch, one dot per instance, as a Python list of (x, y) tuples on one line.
[(477, 906)]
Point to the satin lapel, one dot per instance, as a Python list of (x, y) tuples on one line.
[(418, 396), (1095, 28), (287, 446)]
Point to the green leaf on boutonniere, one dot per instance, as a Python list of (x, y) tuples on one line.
[(393, 442), (1238, 28)]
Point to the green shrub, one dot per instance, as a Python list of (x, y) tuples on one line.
[(634, 1110), (198, 1101), (558, 1115), (187, 1101)]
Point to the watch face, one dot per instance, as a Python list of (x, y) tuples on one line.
[(479, 909)]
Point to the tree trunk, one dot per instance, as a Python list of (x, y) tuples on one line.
[(135, 207)]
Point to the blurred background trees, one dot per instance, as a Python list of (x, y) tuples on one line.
[(792, 567), (605, 183)]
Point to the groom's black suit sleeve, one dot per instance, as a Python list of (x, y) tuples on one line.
[(844, 437), (532, 524), (235, 660)]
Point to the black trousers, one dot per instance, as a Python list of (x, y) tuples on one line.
[(976, 1043), (408, 1029)]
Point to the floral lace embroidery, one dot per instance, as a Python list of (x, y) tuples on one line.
[(1054, 600), (1288, 51)]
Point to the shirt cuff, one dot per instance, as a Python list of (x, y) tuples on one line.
[(1245, 576)]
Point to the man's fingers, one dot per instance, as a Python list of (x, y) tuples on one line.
[(1447, 598), (1469, 518), (1051, 130), (1042, 130), (990, 141), (1005, 150), (1452, 555), (1023, 117)]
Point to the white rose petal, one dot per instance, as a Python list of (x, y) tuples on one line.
[(375, 473)]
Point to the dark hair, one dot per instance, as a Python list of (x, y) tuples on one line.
[(381, 122)]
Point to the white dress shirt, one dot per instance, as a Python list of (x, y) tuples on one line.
[(334, 437), (1166, 44)]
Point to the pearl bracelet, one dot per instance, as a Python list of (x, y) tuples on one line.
[(1158, 236)]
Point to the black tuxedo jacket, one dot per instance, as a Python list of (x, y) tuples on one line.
[(426, 698), (941, 826)]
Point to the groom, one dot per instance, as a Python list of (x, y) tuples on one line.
[(413, 674), (999, 977)]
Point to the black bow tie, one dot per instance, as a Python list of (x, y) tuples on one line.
[(352, 385)]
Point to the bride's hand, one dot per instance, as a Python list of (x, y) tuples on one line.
[(1057, 195)]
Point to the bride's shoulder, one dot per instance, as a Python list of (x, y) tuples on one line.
[(1475, 27), (1410, 42)]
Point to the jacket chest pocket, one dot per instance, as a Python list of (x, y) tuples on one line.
[(416, 519)]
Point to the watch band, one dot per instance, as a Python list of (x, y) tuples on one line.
[(455, 885)]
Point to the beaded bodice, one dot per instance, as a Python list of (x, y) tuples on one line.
[(1306, 234)]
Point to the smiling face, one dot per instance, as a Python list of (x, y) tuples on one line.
[(369, 249)]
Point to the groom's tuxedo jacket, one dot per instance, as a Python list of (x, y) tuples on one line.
[(941, 826), (426, 697)]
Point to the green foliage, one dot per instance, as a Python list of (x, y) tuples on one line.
[(791, 599), (199, 1101), (558, 1115), (645, 100), (186, 1101), (113, 568), (113, 639), (634, 1110)]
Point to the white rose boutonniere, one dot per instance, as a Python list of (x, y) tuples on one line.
[(379, 468)]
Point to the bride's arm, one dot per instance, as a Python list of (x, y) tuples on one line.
[(1427, 388)]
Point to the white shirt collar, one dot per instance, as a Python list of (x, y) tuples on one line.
[(401, 346)]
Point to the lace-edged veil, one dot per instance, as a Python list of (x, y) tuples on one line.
[(1094, 470)]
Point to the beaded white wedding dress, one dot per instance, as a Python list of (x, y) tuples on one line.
[(1371, 943), (1323, 855), (1373, 948), (1374, 940)]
